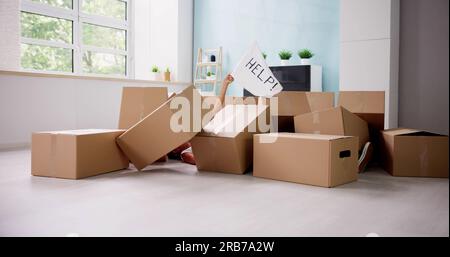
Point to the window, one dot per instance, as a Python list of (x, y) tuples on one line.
[(76, 36)]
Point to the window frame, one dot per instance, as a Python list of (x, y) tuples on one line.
[(78, 18)]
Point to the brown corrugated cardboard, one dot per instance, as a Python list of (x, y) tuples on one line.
[(153, 137), (292, 103), (335, 121), (138, 102), (320, 160), (228, 146), (76, 154), (415, 153), (369, 105)]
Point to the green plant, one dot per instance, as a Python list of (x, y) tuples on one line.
[(167, 70), (155, 69), (285, 55), (209, 74), (264, 55), (305, 54)]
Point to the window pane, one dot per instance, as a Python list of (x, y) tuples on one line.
[(101, 63), (111, 8), (46, 58), (56, 3), (46, 28), (103, 36)]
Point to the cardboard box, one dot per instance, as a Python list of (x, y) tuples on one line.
[(76, 154), (153, 137), (415, 153), (138, 102), (226, 145), (293, 103), (368, 105), (335, 121), (319, 160)]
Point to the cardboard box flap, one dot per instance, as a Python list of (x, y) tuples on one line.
[(306, 136), (232, 120), (81, 132), (400, 131), (319, 101), (138, 102), (292, 103), (363, 101)]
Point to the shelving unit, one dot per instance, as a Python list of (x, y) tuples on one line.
[(207, 87)]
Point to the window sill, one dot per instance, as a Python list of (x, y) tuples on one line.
[(89, 77)]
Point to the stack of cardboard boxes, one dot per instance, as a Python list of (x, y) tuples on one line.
[(316, 143)]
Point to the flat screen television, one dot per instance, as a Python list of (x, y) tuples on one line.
[(292, 78)]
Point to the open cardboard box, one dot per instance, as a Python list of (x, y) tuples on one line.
[(415, 153), (153, 137), (320, 160), (138, 102), (335, 121), (293, 103), (225, 145), (369, 106), (75, 154)]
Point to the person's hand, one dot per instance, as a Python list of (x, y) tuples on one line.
[(228, 80)]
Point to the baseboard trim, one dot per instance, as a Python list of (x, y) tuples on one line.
[(13, 147)]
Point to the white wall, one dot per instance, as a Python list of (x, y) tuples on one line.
[(185, 39), (35, 103), (141, 38), (163, 37), (369, 50), (10, 34)]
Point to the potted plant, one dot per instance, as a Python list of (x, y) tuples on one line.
[(264, 55), (210, 75), (156, 74), (167, 75), (305, 56), (285, 55)]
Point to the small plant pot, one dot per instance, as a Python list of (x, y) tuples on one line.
[(167, 76), (305, 61), (212, 77), (156, 76), (284, 62)]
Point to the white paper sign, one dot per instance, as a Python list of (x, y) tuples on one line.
[(254, 75)]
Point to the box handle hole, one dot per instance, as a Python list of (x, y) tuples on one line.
[(345, 154)]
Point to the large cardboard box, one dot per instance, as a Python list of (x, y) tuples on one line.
[(335, 121), (319, 160), (415, 153), (293, 103), (138, 102), (153, 137), (369, 106), (76, 154), (226, 145)]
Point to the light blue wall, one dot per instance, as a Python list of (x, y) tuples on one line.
[(275, 25)]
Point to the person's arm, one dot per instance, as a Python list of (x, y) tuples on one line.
[(223, 91)]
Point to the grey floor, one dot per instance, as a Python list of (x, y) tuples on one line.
[(174, 200)]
